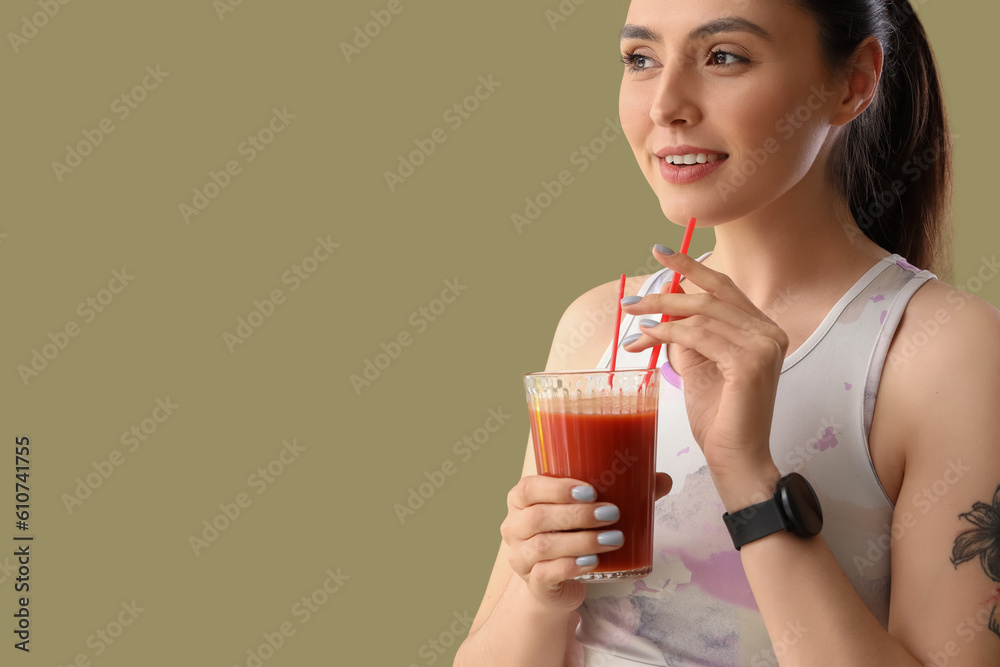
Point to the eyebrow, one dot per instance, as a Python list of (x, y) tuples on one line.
[(728, 24)]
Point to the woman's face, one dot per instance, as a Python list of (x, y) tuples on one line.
[(743, 84)]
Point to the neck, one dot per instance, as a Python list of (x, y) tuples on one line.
[(775, 254)]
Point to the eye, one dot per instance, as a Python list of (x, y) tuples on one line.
[(637, 63), (725, 58)]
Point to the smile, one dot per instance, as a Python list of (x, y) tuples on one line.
[(694, 158), (686, 169)]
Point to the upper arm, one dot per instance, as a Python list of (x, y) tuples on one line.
[(946, 409), (583, 334)]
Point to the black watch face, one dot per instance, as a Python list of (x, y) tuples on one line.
[(800, 505)]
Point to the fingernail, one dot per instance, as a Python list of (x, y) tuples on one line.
[(611, 538), (631, 300), (586, 561), (649, 323), (663, 250), (607, 513), (628, 340), (584, 494)]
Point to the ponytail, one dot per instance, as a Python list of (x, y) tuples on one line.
[(893, 163)]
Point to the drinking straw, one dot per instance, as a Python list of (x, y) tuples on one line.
[(674, 284), (618, 330)]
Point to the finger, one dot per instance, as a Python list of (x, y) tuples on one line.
[(680, 307), (551, 573), (551, 546), (663, 485), (654, 333), (754, 355), (545, 517), (710, 280), (535, 489)]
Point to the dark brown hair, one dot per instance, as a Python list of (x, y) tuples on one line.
[(894, 161)]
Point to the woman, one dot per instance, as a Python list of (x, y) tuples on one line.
[(814, 140)]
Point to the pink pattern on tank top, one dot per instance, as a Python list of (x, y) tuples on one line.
[(640, 585), (721, 575), (828, 441), (878, 297), (671, 376), (847, 386), (906, 265)]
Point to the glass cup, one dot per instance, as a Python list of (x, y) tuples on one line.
[(600, 427)]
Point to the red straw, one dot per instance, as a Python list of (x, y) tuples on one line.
[(674, 284), (618, 329)]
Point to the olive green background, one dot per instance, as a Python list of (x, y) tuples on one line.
[(322, 176)]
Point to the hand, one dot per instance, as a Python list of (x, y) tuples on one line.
[(540, 513), (730, 359)]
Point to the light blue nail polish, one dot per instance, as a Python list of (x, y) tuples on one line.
[(628, 340), (611, 538), (607, 513), (587, 561), (584, 494), (631, 300), (663, 250), (648, 323)]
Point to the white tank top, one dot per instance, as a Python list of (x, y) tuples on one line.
[(696, 607)]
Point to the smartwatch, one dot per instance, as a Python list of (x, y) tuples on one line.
[(793, 507)]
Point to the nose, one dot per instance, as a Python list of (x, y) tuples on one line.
[(676, 98)]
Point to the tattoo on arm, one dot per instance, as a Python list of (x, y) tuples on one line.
[(982, 541)]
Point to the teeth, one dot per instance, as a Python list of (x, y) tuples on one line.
[(693, 158)]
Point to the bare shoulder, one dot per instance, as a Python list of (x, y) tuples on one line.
[(943, 326), (944, 361), (587, 325)]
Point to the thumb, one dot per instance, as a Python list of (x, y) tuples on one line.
[(663, 485)]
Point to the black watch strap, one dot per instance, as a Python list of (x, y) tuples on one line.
[(755, 522)]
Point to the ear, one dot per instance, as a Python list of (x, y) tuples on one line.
[(863, 73)]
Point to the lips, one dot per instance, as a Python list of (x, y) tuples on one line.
[(689, 173)]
